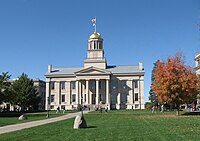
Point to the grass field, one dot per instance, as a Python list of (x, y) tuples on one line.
[(116, 126), (13, 118)]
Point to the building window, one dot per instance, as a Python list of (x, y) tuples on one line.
[(93, 85), (136, 106), (84, 84), (100, 85), (135, 84), (124, 86), (51, 107), (85, 97), (63, 98), (100, 98), (62, 107), (73, 97), (114, 99), (52, 98), (136, 96), (73, 84), (52, 85), (62, 85), (113, 84), (125, 98)]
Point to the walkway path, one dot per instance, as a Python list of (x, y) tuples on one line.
[(15, 127)]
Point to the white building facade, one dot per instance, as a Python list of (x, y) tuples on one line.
[(96, 84), (197, 69), (197, 63)]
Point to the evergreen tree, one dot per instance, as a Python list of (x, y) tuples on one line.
[(4, 87), (24, 93), (152, 95)]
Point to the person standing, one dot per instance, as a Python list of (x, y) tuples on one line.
[(162, 108), (63, 109)]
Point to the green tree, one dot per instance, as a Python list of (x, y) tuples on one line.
[(4, 87), (148, 105), (24, 93), (152, 96)]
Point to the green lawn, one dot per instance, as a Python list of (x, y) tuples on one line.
[(31, 117), (114, 126)]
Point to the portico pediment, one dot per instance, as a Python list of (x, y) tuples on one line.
[(93, 71)]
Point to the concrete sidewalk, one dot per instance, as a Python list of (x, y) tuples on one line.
[(15, 127)]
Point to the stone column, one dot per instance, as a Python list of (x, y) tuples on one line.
[(131, 94), (97, 92), (69, 94), (87, 94), (118, 99), (139, 93), (90, 95), (108, 94), (118, 94), (80, 93), (58, 93), (77, 92), (141, 90), (48, 94)]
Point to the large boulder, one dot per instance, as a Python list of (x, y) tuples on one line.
[(79, 122), (23, 117)]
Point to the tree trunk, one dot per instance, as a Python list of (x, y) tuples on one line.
[(177, 112)]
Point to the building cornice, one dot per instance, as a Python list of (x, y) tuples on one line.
[(197, 56), (197, 68), (59, 75), (93, 74), (129, 74)]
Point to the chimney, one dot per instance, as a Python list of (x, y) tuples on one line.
[(140, 66), (49, 68)]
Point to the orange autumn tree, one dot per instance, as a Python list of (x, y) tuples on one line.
[(175, 83)]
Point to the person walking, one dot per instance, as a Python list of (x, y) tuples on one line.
[(153, 109), (106, 109), (58, 110)]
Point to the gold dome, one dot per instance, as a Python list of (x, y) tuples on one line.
[(95, 35)]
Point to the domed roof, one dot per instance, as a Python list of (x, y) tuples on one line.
[(95, 35)]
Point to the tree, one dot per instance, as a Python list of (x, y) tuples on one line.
[(175, 83), (4, 87), (152, 96), (24, 93), (148, 105)]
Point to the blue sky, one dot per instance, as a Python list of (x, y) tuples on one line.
[(31, 31)]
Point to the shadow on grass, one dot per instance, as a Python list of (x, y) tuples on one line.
[(88, 127), (191, 114), (11, 114)]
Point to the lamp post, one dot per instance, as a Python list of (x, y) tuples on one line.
[(82, 104), (48, 106)]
